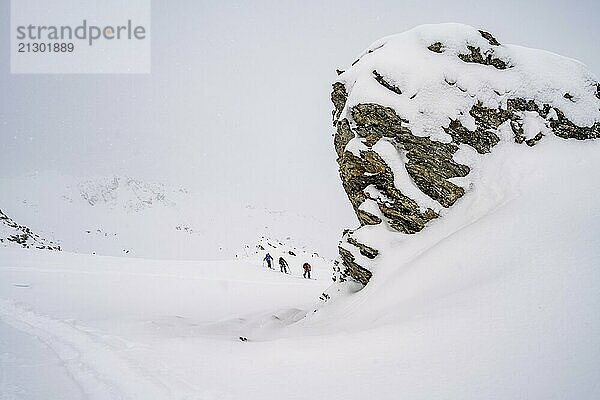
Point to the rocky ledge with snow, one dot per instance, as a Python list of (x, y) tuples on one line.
[(416, 113), (14, 234)]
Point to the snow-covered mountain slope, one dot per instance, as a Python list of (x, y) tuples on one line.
[(125, 216), (497, 300)]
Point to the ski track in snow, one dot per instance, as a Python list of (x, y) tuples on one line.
[(96, 368)]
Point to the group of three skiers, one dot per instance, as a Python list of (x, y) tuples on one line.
[(283, 265)]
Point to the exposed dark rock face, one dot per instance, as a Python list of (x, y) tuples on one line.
[(383, 82), (475, 56), (482, 142), (436, 47), (343, 135), (561, 126), (369, 180), (370, 169), (430, 162), (531, 142), (352, 269), (364, 249), (568, 130), (22, 236), (488, 36), (338, 97)]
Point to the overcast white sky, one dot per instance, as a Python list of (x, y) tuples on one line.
[(238, 99)]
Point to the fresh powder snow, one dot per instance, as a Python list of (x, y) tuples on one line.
[(495, 299)]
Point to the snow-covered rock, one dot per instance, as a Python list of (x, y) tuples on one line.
[(418, 112), (13, 234)]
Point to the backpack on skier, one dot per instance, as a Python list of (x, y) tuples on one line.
[(268, 259), (283, 265), (307, 268)]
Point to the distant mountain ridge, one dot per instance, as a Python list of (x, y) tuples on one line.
[(121, 215)]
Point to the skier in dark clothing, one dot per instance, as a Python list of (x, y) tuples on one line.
[(307, 269), (269, 259), (283, 265)]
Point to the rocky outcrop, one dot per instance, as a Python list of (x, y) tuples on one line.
[(14, 234), (475, 56), (425, 137), (385, 82), (338, 97)]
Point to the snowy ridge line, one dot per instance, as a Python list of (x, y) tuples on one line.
[(93, 366)]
